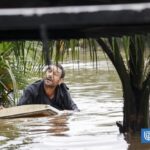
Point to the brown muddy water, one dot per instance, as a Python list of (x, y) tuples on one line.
[(98, 94)]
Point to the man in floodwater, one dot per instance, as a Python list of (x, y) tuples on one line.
[(51, 90)]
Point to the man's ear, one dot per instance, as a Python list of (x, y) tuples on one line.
[(61, 81)]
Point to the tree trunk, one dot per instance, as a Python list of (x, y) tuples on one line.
[(135, 91), (140, 87)]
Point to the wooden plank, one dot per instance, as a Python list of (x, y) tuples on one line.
[(28, 111)]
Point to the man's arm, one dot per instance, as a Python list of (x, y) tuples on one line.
[(65, 97), (71, 103)]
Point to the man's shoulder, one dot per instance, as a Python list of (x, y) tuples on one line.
[(64, 86), (35, 86), (38, 82)]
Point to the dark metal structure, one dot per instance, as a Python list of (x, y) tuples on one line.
[(72, 19), (51, 3)]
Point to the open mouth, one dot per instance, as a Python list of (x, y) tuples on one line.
[(49, 79)]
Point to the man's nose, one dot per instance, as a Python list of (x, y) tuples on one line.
[(50, 74)]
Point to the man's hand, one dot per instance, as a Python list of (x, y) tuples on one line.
[(66, 112)]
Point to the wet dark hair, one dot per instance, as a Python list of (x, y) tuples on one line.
[(60, 67)]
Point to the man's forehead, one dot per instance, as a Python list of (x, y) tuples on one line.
[(54, 68)]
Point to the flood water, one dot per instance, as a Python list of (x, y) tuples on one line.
[(98, 95)]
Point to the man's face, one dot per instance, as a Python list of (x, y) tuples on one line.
[(52, 76)]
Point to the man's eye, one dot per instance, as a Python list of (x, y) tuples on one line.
[(49, 70)]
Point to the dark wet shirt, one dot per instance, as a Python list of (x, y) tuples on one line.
[(35, 94)]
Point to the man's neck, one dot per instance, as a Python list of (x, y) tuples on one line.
[(50, 91)]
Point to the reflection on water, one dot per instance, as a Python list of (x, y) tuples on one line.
[(58, 125), (99, 97)]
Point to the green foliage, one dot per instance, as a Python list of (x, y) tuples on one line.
[(16, 59), (74, 50), (135, 50), (7, 82)]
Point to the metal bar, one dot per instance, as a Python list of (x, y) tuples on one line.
[(75, 21), (49, 3)]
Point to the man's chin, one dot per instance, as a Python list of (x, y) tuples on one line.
[(48, 84)]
